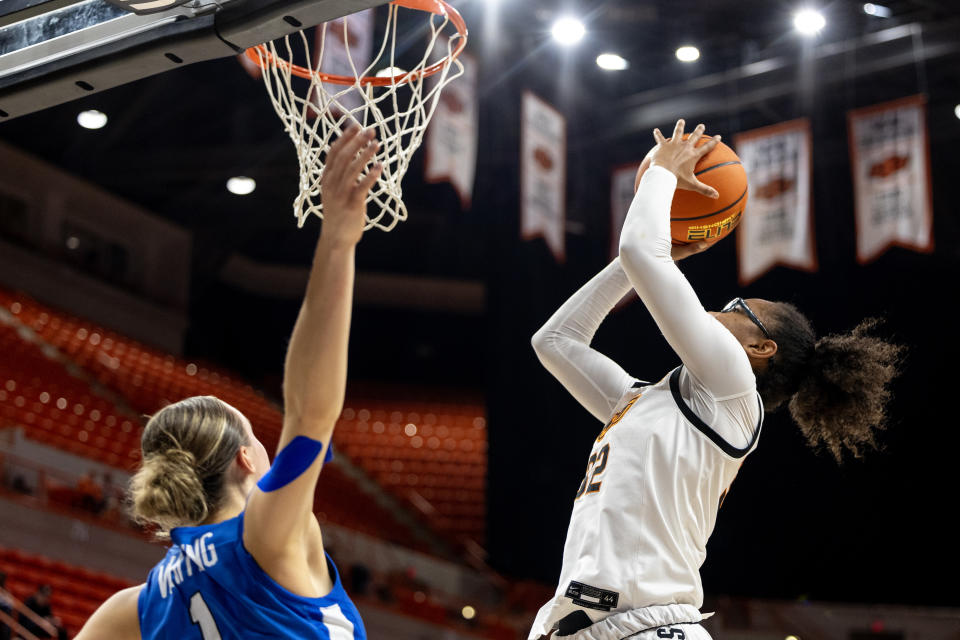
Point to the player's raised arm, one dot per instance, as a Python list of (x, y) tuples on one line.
[(279, 511), (563, 343), (708, 350)]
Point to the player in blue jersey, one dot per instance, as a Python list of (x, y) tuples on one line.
[(247, 557)]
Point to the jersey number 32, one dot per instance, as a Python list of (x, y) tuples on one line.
[(595, 468)]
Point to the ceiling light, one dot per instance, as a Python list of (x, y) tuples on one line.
[(468, 612), (241, 185), (92, 119), (612, 62), (877, 10), (688, 53), (809, 21), (568, 31), (956, 111), (390, 72)]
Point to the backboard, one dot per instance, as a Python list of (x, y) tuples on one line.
[(54, 51)]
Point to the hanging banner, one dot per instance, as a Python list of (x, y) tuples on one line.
[(543, 173), (890, 158), (347, 50), (451, 144), (777, 224), (622, 182)]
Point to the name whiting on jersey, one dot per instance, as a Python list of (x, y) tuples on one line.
[(202, 554)]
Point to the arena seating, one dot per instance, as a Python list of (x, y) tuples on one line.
[(432, 453), (437, 465), (61, 411), (77, 592)]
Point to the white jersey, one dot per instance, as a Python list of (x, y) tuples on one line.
[(668, 452), (655, 479)]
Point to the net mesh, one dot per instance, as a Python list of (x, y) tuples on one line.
[(315, 112)]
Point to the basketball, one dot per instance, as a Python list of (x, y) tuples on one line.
[(694, 217)]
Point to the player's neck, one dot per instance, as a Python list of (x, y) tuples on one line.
[(233, 504)]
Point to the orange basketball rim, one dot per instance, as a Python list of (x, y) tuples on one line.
[(260, 55)]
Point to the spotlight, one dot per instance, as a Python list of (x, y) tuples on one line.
[(956, 111), (568, 31), (92, 119), (688, 53), (877, 10), (612, 62), (390, 72), (809, 21), (241, 185), (468, 612)]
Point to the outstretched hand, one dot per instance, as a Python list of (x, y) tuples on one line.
[(680, 157), (344, 186)]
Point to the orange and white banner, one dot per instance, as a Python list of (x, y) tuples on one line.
[(777, 224), (890, 157), (622, 181), (451, 144), (543, 173), (347, 50)]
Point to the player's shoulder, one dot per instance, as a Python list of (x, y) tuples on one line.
[(116, 619)]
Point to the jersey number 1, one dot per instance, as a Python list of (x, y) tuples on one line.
[(200, 615)]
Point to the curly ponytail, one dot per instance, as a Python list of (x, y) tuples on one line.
[(844, 399), (187, 449), (837, 387)]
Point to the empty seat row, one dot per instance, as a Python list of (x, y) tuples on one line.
[(59, 409)]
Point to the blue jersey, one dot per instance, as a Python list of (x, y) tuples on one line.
[(209, 587)]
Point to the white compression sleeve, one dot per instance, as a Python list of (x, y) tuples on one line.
[(708, 350), (563, 344)]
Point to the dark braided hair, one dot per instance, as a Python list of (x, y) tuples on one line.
[(836, 387)]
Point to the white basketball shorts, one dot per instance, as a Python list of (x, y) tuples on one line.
[(669, 622)]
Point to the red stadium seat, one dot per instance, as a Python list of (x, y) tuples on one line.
[(76, 591), (57, 408)]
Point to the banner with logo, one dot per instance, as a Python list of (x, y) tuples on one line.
[(347, 50), (890, 158), (777, 224), (543, 173), (451, 144), (621, 197)]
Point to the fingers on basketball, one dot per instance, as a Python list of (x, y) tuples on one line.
[(678, 130), (706, 190), (707, 147), (696, 135)]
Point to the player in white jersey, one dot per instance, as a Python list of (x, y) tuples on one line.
[(662, 464)]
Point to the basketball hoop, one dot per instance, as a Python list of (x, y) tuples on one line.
[(397, 103)]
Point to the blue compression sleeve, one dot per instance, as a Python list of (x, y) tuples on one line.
[(292, 461)]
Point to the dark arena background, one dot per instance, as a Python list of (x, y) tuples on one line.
[(130, 277)]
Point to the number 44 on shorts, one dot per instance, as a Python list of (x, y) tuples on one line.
[(667, 632)]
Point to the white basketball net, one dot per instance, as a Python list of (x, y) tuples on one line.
[(315, 113)]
